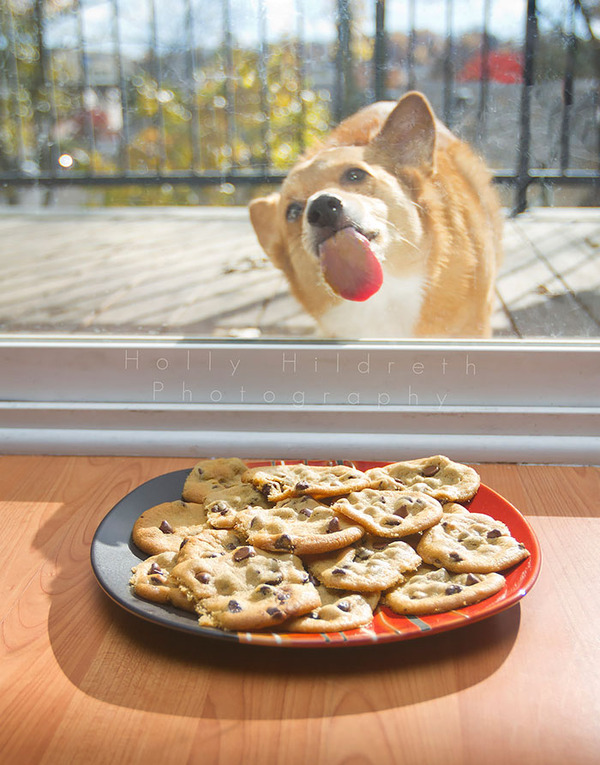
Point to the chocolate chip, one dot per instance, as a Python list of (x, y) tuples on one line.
[(453, 589), (494, 534), (203, 577), (361, 553), (333, 525), (470, 579), (183, 543), (430, 470), (382, 499), (392, 522), (265, 590), (301, 486), (243, 552), (283, 596), (284, 542), (305, 511), (343, 605), (339, 571), (155, 569), (267, 489), (219, 507), (455, 556), (275, 612), (157, 580), (234, 607), (166, 527), (401, 511), (275, 580)]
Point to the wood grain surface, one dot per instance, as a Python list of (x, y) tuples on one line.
[(83, 681)]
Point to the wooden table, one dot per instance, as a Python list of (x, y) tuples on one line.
[(83, 681)]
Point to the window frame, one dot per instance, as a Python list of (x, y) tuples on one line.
[(479, 401)]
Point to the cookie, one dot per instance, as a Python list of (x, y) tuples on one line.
[(438, 476), (244, 588), (338, 611), (223, 504), (470, 542), (390, 514), (151, 580), (431, 590), (301, 524), (284, 481), (211, 475), (370, 565), (163, 527)]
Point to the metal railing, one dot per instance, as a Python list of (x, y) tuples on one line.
[(132, 103)]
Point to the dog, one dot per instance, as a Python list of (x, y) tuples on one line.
[(389, 228)]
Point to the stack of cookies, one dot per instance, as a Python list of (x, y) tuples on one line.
[(307, 548)]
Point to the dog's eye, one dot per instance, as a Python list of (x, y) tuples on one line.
[(354, 175), (293, 212)]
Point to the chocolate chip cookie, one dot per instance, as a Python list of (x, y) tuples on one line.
[(438, 476), (301, 524), (338, 611), (391, 514), (369, 565), (210, 475), (430, 590), (163, 527), (151, 579), (244, 588), (281, 482), (470, 542)]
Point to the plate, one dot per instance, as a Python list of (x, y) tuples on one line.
[(113, 554)]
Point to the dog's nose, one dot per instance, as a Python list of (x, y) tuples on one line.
[(325, 211)]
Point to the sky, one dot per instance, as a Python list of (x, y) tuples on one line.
[(507, 20)]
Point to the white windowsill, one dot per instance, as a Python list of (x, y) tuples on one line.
[(477, 401)]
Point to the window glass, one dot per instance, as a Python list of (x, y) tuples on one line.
[(133, 135)]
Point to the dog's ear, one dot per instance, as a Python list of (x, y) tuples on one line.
[(409, 133), (263, 216)]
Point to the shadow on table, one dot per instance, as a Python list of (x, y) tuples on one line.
[(148, 667)]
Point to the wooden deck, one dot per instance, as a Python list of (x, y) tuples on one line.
[(200, 272)]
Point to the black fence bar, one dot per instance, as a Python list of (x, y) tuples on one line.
[(229, 83), (379, 53), (448, 108), (87, 113), (263, 66), (501, 177), (13, 82), (300, 74), (568, 88), (156, 72), (194, 125), (484, 82), (125, 133), (412, 43), (523, 164)]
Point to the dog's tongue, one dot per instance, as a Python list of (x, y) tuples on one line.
[(350, 266)]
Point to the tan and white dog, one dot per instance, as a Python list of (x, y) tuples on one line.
[(389, 228)]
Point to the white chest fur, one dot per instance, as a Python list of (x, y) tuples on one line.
[(393, 311)]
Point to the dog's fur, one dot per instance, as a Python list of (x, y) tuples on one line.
[(426, 208)]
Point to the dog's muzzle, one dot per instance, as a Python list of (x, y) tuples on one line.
[(346, 257)]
